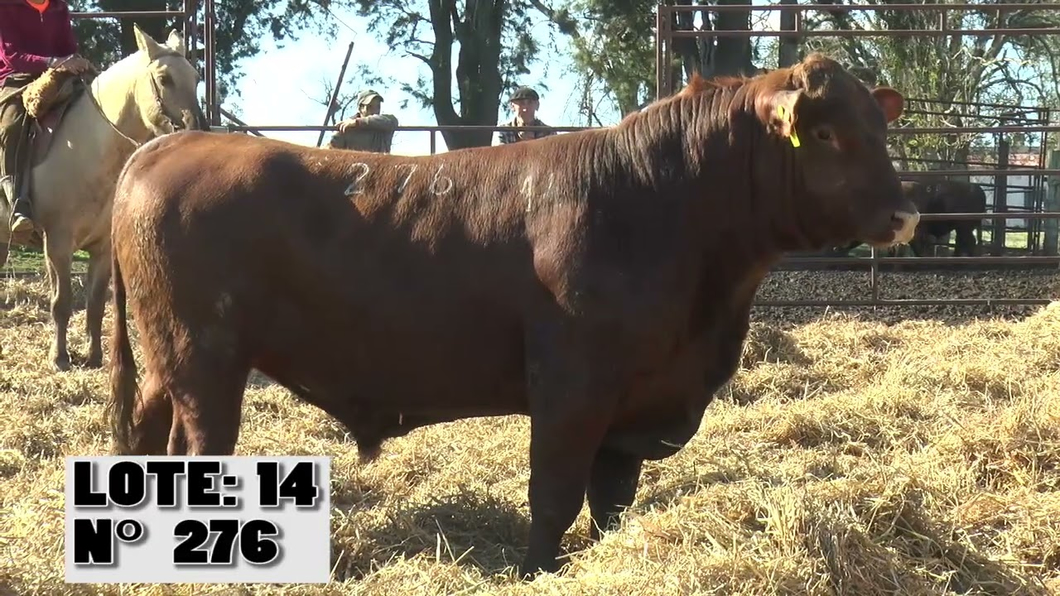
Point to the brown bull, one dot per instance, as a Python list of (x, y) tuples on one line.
[(598, 281)]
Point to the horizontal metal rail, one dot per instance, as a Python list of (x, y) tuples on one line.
[(905, 302), (679, 33), (121, 14), (1014, 171), (869, 261), (483, 127), (906, 7), (995, 215)]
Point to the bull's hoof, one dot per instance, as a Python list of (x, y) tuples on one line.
[(94, 361), (529, 569), (61, 362)]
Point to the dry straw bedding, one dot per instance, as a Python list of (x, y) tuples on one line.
[(846, 457)]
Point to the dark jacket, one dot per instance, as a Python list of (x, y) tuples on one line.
[(28, 39)]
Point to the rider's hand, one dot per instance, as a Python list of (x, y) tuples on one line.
[(76, 65)]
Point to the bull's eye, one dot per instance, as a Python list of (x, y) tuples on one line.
[(823, 133)]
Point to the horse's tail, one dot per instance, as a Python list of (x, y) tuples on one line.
[(124, 385)]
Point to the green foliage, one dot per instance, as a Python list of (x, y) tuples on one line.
[(244, 25), (944, 76)]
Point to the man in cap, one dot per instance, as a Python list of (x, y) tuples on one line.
[(524, 102), (368, 130)]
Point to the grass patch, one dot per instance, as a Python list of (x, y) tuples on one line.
[(21, 259)]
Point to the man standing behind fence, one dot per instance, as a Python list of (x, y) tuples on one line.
[(368, 130), (524, 102)]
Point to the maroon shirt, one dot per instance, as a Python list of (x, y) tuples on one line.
[(28, 38)]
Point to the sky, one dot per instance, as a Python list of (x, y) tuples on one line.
[(310, 60)]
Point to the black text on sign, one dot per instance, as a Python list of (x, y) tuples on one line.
[(197, 519)]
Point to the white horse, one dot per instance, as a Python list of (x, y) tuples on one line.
[(72, 189)]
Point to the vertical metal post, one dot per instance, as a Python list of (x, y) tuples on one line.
[(874, 271), (213, 112), (335, 93), (1001, 195), (434, 143), (661, 68), (1052, 203)]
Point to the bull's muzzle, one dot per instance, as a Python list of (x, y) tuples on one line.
[(905, 223)]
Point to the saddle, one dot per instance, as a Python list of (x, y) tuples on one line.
[(46, 100)]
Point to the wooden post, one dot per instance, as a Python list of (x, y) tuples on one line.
[(1051, 227)]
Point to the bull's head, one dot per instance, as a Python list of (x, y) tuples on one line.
[(835, 129)]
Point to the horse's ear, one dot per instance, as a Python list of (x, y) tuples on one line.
[(146, 43), (176, 41)]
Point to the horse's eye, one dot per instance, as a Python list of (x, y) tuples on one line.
[(823, 133), (165, 80)]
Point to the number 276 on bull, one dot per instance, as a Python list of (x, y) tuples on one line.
[(198, 519)]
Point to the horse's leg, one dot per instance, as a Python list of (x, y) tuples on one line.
[(58, 252), (98, 280)]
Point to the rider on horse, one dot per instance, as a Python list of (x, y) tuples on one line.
[(35, 35)]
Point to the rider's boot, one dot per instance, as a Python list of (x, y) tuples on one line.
[(20, 215)]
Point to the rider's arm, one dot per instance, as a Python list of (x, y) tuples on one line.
[(379, 122)]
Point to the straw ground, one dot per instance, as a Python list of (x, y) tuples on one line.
[(847, 457)]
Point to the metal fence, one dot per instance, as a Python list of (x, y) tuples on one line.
[(665, 35), (667, 31)]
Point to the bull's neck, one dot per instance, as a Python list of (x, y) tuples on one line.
[(692, 147)]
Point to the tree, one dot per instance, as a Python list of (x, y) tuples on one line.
[(475, 49), (614, 42), (944, 75), (243, 24)]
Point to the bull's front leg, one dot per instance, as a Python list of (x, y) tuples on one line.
[(98, 281), (612, 487), (573, 390), (59, 254)]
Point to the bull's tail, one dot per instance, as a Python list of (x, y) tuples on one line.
[(124, 385)]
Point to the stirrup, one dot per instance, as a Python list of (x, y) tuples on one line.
[(21, 224)]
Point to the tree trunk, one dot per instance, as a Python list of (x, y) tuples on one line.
[(478, 77), (733, 54)]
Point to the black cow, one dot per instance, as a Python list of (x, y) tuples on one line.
[(944, 196)]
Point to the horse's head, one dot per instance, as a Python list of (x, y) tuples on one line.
[(165, 86)]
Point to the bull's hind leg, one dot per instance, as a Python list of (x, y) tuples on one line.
[(98, 280), (154, 419), (58, 253), (207, 390), (612, 487)]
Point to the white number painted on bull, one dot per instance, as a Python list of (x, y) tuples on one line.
[(412, 170), (528, 190), (354, 187), (438, 176), (548, 189)]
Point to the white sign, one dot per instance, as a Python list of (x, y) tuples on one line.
[(232, 519)]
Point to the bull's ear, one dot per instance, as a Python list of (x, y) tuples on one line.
[(779, 110), (891, 102)]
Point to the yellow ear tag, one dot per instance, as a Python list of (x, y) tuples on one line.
[(782, 112)]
